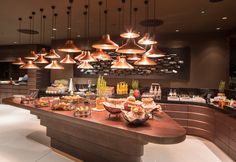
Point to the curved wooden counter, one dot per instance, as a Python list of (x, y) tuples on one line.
[(203, 121), (98, 139)]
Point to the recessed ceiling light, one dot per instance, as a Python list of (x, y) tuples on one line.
[(203, 12), (224, 18), (177, 30), (14, 42), (54, 29), (218, 28)]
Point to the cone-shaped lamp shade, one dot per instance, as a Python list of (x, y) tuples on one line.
[(68, 60), (99, 54), (18, 61), (41, 60), (153, 52), (116, 60), (85, 65), (42, 52), (80, 56), (69, 47), (29, 65), (105, 43), (147, 40), (145, 61), (87, 57), (130, 47), (122, 64), (130, 34), (52, 55), (54, 66), (32, 56), (133, 57)]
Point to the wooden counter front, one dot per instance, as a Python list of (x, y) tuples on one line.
[(97, 138)]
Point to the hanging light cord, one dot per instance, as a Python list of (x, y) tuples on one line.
[(130, 12), (41, 24), (88, 19), (55, 25), (44, 19), (32, 34), (20, 19), (123, 10), (135, 17), (106, 21), (119, 15), (53, 11), (30, 26), (100, 17), (154, 30), (146, 12)]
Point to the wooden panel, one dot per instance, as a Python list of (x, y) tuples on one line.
[(200, 132), (232, 154), (203, 125), (201, 117), (182, 122), (176, 114), (233, 134), (175, 107), (232, 144), (222, 145), (201, 109)]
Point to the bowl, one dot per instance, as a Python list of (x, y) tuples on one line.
[(135, 122), (18, 98), (111, 109)]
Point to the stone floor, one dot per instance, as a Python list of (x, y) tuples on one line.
[(23, 139)]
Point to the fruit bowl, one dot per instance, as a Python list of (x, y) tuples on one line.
[(113, 109), (133, 119)]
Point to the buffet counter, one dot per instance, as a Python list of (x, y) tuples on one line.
[(10, 90), (98, 138), (205, 120)]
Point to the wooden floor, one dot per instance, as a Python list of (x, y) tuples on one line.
[(22, 139)]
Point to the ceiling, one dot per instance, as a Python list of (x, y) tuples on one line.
[(184, 15)]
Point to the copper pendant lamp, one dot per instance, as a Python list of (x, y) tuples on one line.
[(42, 52), (30, 66), (147, 40), (133, 57), (99, 54), (54, 66), (122, 64), (32, 56), (41, 60), (69, 47), (145, 61), (80, 56), (87, 57), (85, 65), (18, 61), (130, 34), (52, 55), (130, 47), (116, 60), (105, 43), (154, 52), (68, 60)]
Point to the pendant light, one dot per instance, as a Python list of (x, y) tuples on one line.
[(145, 61), (41, 60), (52, 55), (80, 56), (85, 65), (54, 66), (147, 40), (69, 46), (130, 33), (130, 47), (18, 61), (32, 55), (105, 43), (29, 66), (154, 52), (68, 60), (87, 57), (133, 57), (99, 54), (122, 64)]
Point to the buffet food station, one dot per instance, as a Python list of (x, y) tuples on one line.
[(99, 135)]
